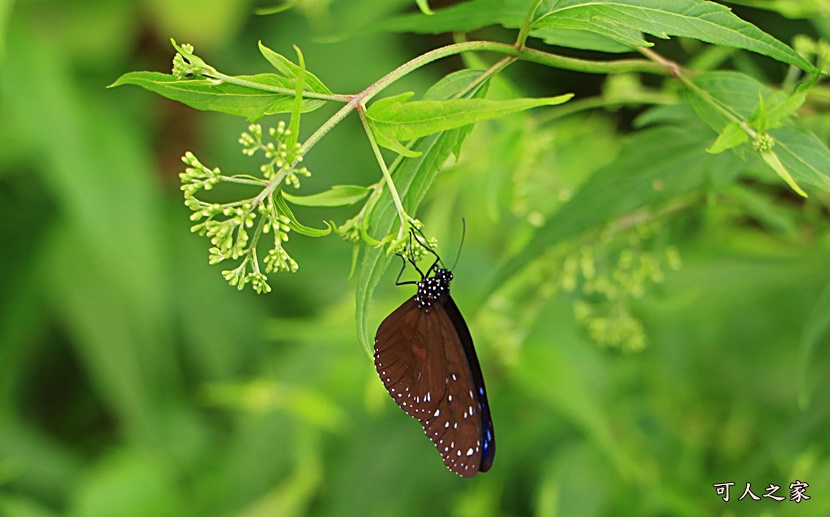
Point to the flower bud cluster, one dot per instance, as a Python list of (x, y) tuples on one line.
[(234, 228), (608, 277), (197, 177), (282, 153)]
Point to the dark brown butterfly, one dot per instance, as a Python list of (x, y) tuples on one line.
[(425, 357)]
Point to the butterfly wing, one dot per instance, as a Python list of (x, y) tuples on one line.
[(414, 375), (488, 437), (426, 360), (456, 426)]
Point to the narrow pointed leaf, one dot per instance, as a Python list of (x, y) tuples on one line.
[(297, 107), (338, 195), (580, 39), (408, 120), (289, 69), (771, 159), (698, 19), (804, 155), (423, 5), (251, 102), (777, 107), (731, 136), (295, 224)]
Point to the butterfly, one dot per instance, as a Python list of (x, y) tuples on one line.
[(425, 358)]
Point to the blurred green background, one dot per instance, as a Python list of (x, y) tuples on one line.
[(135, 382)]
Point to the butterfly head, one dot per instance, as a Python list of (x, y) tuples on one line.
[(434, 289)]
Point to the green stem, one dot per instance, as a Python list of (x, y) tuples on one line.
[(243, 181), (678, 72), (582, 65), (231, 205), (275, 89), (388, 177), (484, 77), (527, 24), (673, 68)]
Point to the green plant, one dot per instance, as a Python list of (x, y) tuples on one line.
[(686, 145)]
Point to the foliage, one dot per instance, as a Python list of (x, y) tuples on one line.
[(645, 186)]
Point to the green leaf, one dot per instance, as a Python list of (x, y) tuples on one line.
[(289, 69), (296, 225), (705, 21), (722, 93), (424, 6), (816, 332), (775, 108), (297, 107), (393, 119), (771, 159), (450, 85), (389, 142), (582, 19), (580, 39), (655, 165), (789, 8), (732, 135), (804, 155), (251, 102), (463, 17), (338, 195)]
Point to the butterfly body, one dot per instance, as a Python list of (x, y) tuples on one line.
[(425, 357)]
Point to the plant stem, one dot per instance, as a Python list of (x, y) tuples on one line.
[(673, 68), (524, 32), (388, 177), (275, 89), (243, 181), (682, 75)]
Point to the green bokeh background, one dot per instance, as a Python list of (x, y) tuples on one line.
[(135, 382)]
